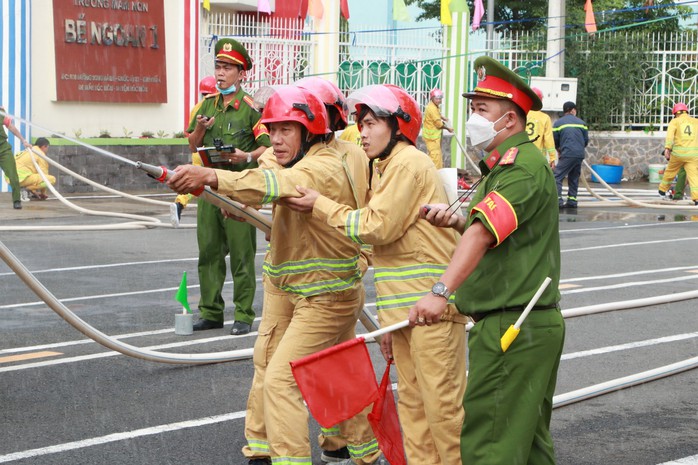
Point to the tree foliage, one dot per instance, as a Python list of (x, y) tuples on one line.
[(524, 15), (609, 72)]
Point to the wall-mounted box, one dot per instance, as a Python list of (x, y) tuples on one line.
[(556, 91)]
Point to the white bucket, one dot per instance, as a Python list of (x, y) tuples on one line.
[(184, 324), (656, 173)]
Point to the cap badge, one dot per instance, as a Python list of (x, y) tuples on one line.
[(481, 73), (227, 47)]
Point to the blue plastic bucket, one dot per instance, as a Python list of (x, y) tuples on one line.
[(612, 174)]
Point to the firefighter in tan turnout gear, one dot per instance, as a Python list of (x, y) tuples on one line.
[(316, 267), (408, 256)]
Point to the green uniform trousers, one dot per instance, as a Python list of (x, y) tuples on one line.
[(9, 168), (218, 237), (680, 184), (508, 402)]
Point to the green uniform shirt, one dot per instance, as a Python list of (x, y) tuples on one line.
[(528, 249), (236, 123)]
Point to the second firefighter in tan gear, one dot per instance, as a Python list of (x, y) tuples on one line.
[(328, 294), (434, 124), (408, 256)]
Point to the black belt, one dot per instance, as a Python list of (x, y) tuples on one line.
[(520, 308)]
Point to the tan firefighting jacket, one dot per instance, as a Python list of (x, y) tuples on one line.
[(409, 254), (25, 167), (433, 122), (306, 256)]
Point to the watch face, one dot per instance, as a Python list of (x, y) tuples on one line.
[(439, 288)]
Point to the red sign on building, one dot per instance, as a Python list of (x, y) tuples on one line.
[(110, 51)]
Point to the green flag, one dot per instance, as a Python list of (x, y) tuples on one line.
[(400, 12), (181, 295)]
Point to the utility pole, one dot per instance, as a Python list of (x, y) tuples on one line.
[(555, 65), (490, 26)]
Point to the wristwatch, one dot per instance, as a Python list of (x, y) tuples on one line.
[(249, 157), (441, 290)]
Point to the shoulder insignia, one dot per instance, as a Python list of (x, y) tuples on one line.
[(509, 156), (250, 101), (492, 159)]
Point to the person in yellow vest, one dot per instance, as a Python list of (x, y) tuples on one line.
[(207, 86), (434, 124), (681, 149), (351, 134), (540, 130), (29, 177)]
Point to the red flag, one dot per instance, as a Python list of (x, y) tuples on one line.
[(384, 422), (344, 7), (589, 21), (338, 382)]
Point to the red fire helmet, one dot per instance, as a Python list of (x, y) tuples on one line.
[(292, 103), (388, 100)]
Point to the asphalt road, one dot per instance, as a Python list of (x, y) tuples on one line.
[(67, 400)]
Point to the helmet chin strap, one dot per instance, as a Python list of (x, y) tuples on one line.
[(386, 151), (305, 146)]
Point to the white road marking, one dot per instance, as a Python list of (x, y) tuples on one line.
[(629, 345), (58, 448), (692, 460)]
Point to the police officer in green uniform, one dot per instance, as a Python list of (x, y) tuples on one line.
[(7, 159), (510, 244), (227, 120)]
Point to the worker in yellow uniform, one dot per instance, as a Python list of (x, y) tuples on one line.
[(29, 177), (681, 149), (539, 128), (351, 134), (207, 86), (434, 124), (277, 309), (328, 295), (409, 255)]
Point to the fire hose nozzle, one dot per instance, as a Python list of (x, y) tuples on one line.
[(160, 173)]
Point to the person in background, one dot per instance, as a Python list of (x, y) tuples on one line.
[(539, 128), (7, 158), (351, 134), (510, 243), (681, 149), (207, 86), (571, 138), (227, 118), (29, 177), (408, 256), (327, 296), (434, 124)]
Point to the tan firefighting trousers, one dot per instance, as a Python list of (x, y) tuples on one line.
[(431, 384), (690, 163), (434, 151), (276, 422), (34, 182)]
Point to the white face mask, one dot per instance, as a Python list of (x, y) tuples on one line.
[(481, 130)]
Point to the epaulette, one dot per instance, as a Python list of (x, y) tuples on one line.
[(250, 101), (213, 95), (509, 156)]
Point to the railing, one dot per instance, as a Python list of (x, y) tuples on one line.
[(414, 59)]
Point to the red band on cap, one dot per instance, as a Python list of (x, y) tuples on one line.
[(233, 55), (500, 88)]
